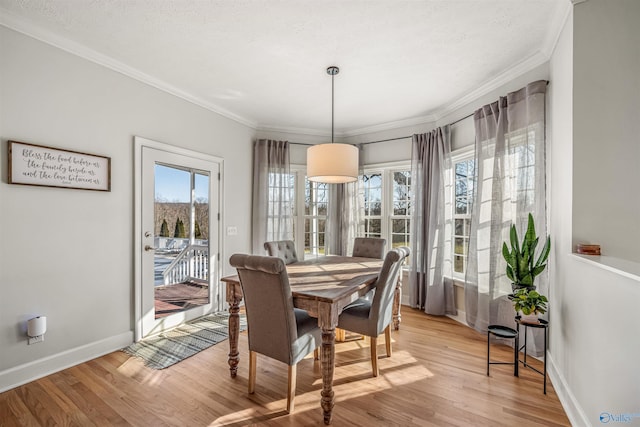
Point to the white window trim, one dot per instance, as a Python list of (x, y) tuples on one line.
[(386, 169), (462, 154)]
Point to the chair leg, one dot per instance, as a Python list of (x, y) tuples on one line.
[(316, 353), (291, 390), (340, 335), (374, 355), (387, 339), (252, 371)]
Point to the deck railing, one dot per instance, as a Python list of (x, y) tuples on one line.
[(191, 264)]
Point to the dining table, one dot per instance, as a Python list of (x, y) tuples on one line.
[(322, 286)]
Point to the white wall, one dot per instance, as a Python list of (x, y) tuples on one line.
[(68, 254), (606, 112), (594, 343)]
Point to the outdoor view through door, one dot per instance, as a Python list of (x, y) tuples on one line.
[(181, 239)]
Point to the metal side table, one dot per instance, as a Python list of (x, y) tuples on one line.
[(506, 333), (542, 325)]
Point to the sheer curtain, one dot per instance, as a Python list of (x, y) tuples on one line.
[(345, 219), (272, 193), (430, 284), (510, 184)]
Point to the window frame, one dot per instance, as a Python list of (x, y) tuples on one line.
[(366, 217), (387, 215), (461, 155), (299, 216)]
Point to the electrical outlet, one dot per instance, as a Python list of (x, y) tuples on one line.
[(33, 340)]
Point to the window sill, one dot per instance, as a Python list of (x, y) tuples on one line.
[(619, 266)]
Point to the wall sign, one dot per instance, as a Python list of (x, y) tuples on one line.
[(31, 164)]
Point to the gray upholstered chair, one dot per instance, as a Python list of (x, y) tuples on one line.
[(284, 249), (276, 329), (371, 317), (369, 247)]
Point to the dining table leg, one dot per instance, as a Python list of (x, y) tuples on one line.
[(328, 320), (234, 330)]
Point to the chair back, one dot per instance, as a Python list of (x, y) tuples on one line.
[(271, 321), (283, 249), (382, 305), (369, 247)]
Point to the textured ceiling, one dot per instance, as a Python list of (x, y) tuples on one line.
[(263, 62)]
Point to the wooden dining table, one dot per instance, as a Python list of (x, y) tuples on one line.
[(323, 287)]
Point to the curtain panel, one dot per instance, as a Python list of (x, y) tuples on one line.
[(272, 207), (345, 219), (510, 183), (430, 282)]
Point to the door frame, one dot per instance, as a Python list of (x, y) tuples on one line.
[(139, 143)]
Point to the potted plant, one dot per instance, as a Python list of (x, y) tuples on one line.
[(522, 265), (529, 304)]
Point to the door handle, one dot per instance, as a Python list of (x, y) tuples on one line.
[(149, 248)]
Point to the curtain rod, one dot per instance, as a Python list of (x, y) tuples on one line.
[(388, 139), (398, 138)]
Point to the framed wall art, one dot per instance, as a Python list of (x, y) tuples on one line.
[(31, 164)]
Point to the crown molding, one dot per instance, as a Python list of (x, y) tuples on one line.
[(299, 131), (349, 132), (533, 61), (10, 20), (528, 64), (414, 121), (557, 24)]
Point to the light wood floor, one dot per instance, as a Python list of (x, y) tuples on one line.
[(436, 376)]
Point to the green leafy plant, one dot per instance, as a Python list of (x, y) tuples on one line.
[(529, 301), (522, 265)]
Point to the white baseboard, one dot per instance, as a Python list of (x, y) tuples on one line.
[(572, 408), (404, 300), (461, 317), (22, 374)]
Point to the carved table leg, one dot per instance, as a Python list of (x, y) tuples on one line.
[(328, 361), (397, 297), (234, 331), (328, 320)]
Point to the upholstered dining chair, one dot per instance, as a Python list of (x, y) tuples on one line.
[(284, 249), (371, 317), (276, 329), (369, 247)]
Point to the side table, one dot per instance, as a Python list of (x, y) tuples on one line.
[(542, 325), (506, 333)]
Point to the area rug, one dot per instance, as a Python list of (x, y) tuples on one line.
[(171, 347)]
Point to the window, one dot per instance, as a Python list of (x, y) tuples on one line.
[(371, 184), (316, 202), (282, 185), (385, 194), (386, 198), (401, 208), (464, 173)]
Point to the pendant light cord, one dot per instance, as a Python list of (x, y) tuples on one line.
[(332, 106)]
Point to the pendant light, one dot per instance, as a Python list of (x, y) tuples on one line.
[(332, 163)]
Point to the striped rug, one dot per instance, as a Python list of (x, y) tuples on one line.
[(169, 348)]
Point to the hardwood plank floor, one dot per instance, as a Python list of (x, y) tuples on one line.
[(435, 377)]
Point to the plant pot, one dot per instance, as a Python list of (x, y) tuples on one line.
[(529, 318)]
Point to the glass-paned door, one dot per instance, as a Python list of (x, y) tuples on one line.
[(180, 239)]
